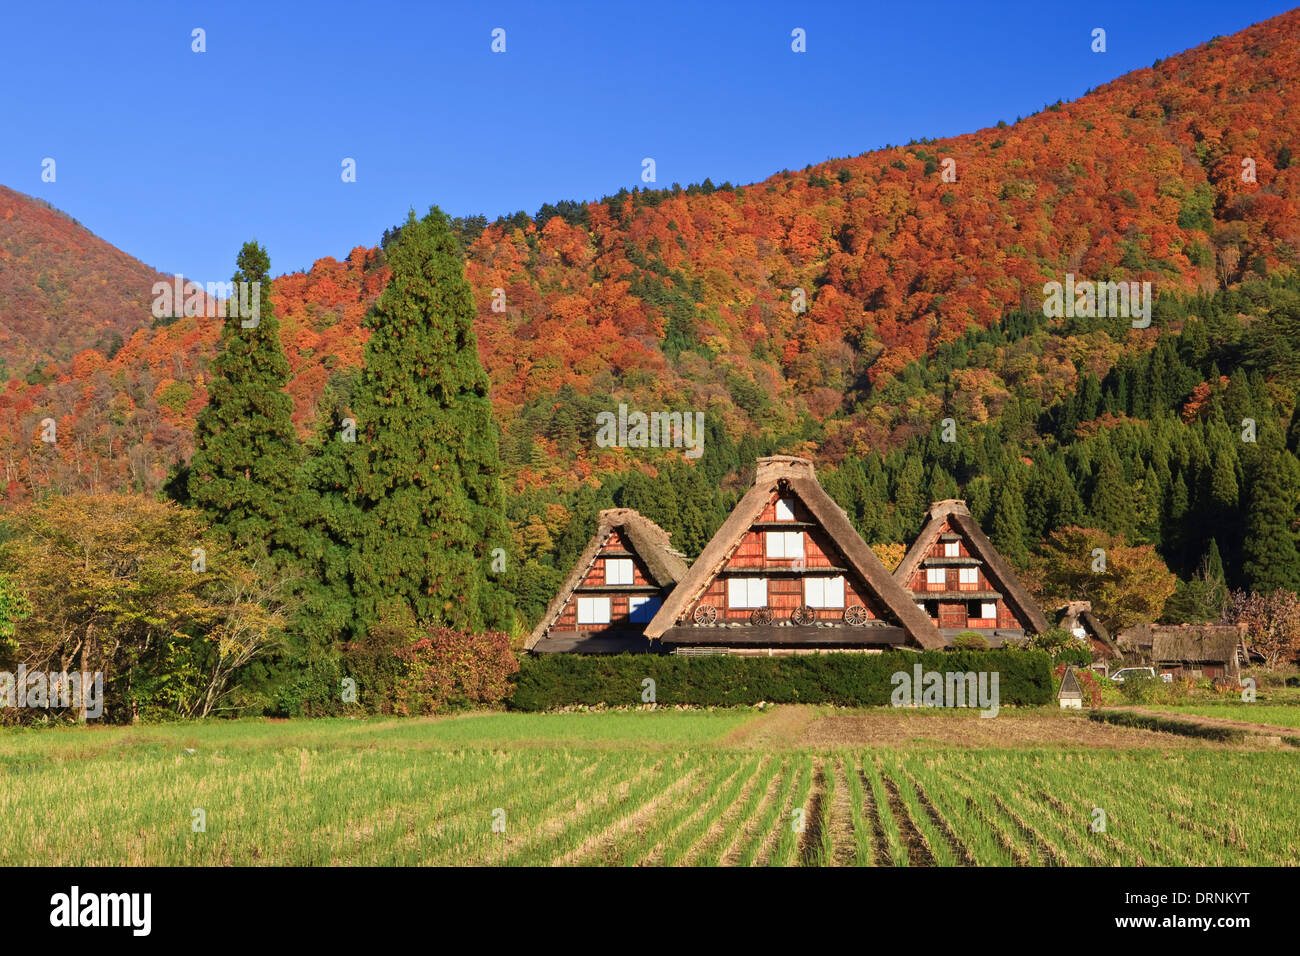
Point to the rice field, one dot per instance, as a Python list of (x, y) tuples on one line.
[(664, 789)]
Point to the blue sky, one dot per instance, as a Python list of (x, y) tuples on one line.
[(178, 157)]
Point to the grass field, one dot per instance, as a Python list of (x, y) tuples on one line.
[(793, 786), (1279, 715)]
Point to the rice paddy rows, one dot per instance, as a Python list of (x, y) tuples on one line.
[(543, 806)]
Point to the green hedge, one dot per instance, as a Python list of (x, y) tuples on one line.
[(853, 680)]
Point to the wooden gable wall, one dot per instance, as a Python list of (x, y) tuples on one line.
[(954, 610), (615, 546), (785, 576)]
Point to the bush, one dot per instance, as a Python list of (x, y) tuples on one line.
[(1145, 689), (450, 669), (850, 680), (970, 641)]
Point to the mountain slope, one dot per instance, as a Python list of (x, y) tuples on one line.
[(62, 289), (681, 299)]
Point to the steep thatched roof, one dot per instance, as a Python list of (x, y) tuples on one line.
[(1079, 613), (1195, 643), (796, 475), (1004, 577), (648, 541)]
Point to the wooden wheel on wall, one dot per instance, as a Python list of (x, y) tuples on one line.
[(803, 615), (706, 614), (855, 614), (761, 615)]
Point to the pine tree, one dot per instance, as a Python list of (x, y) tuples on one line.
[(909, 498), (244, 472), (1112, 500), (1007, 529), (1271, 550), (416, 502)]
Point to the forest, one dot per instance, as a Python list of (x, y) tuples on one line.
[(882, 314)]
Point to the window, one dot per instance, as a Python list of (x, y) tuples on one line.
[(641, 609), (784, 509), (824, 592), (784, 544), (593, 610), (951, 549), (936, 575), (618, 571), (968, 575), (988, 610), (747, 592)]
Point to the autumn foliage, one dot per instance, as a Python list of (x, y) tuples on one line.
[(684, 296)]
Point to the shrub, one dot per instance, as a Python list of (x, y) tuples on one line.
[(851, 680), (1145, 689), (375, 662), (448, 669), (970, 641)]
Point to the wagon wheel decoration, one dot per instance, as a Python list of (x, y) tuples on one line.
[(803, 615), (855, 614), (761, 615), (706, 614)]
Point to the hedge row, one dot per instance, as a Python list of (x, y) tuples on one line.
[(853, 680)]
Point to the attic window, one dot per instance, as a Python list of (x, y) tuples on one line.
[(618, 571), (642, 609), (747, 592), (784, 544), (988, 610), (593, 610), (952, 549), (824, 592), (784, 509)]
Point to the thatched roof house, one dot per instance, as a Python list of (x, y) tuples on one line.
[(618, 583), (1189, 650), (786, 573), (963, 583)]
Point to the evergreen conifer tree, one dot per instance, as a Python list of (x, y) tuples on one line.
[(244, 472), (415, 502)]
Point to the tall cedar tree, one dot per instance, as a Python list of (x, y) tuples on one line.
[(422, 508), (244, 472), (1271, 553)]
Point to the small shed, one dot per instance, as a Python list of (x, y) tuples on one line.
[(1070, 695)]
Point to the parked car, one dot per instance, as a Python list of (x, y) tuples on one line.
[(1123, 672)]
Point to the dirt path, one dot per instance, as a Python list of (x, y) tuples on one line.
[(832, 730), (840, 820), (918, 851), (777, 729)]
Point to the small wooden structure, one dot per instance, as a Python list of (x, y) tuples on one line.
[(1070, 695), (962, 583), (1077, 618), (613, 591), (787, 573)]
